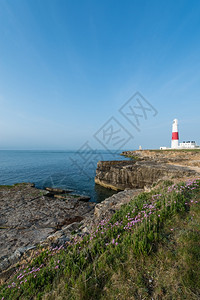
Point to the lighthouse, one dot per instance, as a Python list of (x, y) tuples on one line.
[(175, 140), (175, 137)]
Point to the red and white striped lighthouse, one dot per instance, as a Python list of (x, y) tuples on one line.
[(175, 137)]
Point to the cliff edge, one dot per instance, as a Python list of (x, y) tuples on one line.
[(146, 168)]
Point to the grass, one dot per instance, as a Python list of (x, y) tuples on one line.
[(173, 150), (132, 157), (171, 272), (6, 186), (12, 186), (137, 158), (148, 249)]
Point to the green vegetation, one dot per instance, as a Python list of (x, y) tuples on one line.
[(12, 186), (133, 157), (149, 249), (174, 150), (6, 186)]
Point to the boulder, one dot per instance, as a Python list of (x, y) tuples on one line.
[(57, 190)]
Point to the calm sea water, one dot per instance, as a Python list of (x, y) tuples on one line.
[(64, 169)]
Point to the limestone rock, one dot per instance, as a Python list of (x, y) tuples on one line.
[(119, 175), (107, 208), (28, 217), (57, 191), (73, 197)]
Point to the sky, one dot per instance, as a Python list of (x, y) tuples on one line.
[(68, 69)]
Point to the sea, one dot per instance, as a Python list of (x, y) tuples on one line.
[(71, 170)]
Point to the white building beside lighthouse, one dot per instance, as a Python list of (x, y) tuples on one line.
[(188, 145)]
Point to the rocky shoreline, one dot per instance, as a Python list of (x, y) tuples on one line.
[(30, 217)]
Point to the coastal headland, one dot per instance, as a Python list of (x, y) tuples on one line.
[(50, 218), (148, 167)]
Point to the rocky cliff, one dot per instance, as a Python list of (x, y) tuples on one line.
[(145, 169)]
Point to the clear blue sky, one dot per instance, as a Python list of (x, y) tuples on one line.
[(66, 67)]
